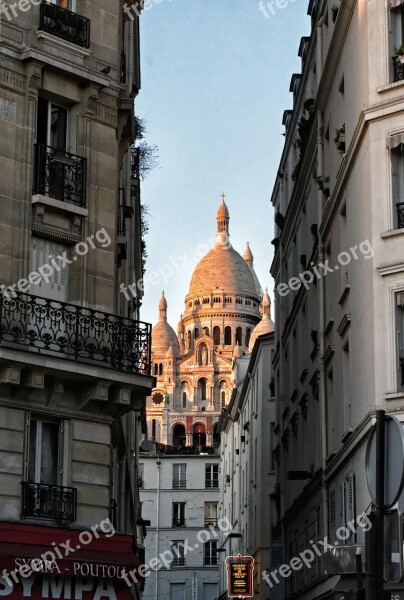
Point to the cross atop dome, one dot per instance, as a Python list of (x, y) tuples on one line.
[(223, 197)]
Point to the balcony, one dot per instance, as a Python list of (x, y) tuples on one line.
[(210, 521), (65, 24), (211, 483), (210, 561), (400, 215), (53, 502), (398, 69), (52, 327), (60, 174)]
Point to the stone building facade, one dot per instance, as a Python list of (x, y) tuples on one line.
[(74, 357), (338, 202)]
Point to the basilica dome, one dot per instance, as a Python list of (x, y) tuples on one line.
[(223, 269)]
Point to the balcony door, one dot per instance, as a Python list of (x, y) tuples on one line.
[(52, 124)]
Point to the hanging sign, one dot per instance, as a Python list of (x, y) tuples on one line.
[(240, 571)]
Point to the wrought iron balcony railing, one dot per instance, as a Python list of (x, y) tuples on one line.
[(210, 560), (178, 562), (60, 175), (398, 69), (53, 327), (400, 215), (64, 24), (211, 521), (52, 502)]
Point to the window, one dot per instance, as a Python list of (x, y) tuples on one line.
[(68, 4), (227, 336), (239, 336), (247, 337), (239, 301), (205, 300), (43, 456), (400, 340), (189, 338), (177, 591), (210, 591), (196, 333), (156, 369), (179, 476), (210, 514), (397, 167), (210, 553), (56, 287), (211, 476), (216, 299), (178, 514), (153, 429), (216, 336), (160, 368), (178, 550), (202, 384), (52, 124), (396, 36), (184, 399), (223, 399)]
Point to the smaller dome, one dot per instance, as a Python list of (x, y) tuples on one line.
[(171, 351), (181, 326), (162, 302), (237, 353), (266, 324), (163, 335), (248, 255)]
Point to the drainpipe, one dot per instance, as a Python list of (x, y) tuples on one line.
[(157, 525), (321, 289)]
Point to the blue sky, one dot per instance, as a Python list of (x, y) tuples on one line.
[(215, 81)]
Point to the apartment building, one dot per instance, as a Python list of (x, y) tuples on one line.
[(179, 495), (338, 201), (247, 463), (74, 356)]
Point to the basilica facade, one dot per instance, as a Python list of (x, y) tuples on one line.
[(225, 311)]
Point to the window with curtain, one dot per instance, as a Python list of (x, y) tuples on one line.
[(43, 452), (396, 144)]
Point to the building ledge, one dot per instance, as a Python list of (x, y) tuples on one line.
[(389, 86), (392, 233), (391, 269), (394, 396), (63, 45), (63, 206)]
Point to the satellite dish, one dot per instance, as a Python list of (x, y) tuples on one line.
[(146, 445)]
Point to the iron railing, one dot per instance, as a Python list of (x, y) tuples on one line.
[(398, 69), (84, 334), (212, 482), (179, 483), (400, 215), (54, 502), (211, 521), (178, 522), (60, 175), (210, 560), (178, 562), (65, 24)]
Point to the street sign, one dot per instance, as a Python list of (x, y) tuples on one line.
[(240, 571), (393, 462)]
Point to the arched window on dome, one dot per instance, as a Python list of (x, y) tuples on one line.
[(247, 336), (160, 368), (205, 330), (239, 336), (196, 333), (153, 429), (216, 335), (227, 336), (189, 337), (156, 369)]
